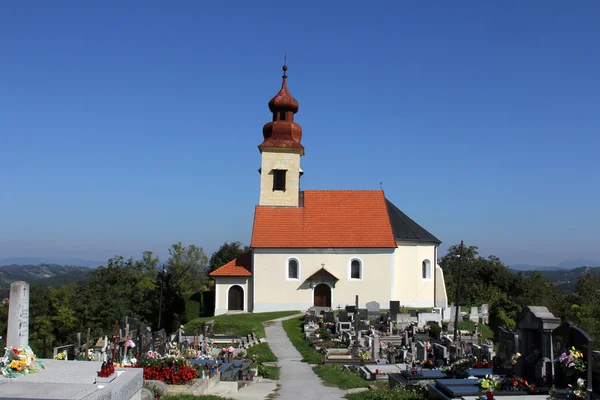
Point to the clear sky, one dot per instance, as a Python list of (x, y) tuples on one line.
[(128, 126)]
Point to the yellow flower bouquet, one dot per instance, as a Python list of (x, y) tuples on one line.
[(18, 361)]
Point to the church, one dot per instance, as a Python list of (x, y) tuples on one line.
[(324, 247)]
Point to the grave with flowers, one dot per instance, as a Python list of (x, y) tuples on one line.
[(23, 376)]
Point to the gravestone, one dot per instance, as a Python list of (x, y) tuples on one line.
[(350, 309), (474, 314), (373, 307), (328, 317), (535, 326), (440, 353), (564, 338), (159, 342), (18, 315), (421, 352), (476, 350), (484, 313), (363, 314), (402, 321), (394, 307), (508, 345), (376, 346), (487, 352)]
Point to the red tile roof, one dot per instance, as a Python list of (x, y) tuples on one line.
[(329, 218), (241, 266)]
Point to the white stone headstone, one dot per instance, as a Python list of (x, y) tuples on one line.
[(18, 315)]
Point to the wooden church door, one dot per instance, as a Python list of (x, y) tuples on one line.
[(236, 298), (322, 295)]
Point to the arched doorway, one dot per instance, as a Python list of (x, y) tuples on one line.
[(236, 298), (322, 295)]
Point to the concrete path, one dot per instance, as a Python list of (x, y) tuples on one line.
[(297, 380)]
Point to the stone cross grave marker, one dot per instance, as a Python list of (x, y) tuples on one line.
[(18, 315)]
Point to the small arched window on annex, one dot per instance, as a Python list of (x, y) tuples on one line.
[(426, 269), (292, 269), (355, 269)]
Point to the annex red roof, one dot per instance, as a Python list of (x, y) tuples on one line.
[(241, 266), (328, 218)]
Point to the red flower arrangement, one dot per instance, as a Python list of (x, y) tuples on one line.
[(482, 364), (170, 370), (170, 375)]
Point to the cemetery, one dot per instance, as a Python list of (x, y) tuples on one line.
[(415, 349), (119, 363), (407, 349)]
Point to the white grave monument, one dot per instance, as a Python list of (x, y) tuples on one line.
[(18, 315)]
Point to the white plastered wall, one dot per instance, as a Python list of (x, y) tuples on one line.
[(273, 291), (410, 288), (222, 286)]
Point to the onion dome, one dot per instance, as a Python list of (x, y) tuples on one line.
[(284, 99), (283, 132)]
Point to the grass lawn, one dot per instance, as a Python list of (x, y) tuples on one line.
[(263, 351), (338, 376), (293, 328), (190, 397), (238, 324), (486, 331), (269, 372), (386, 394)]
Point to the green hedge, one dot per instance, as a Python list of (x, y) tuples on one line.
[(193, 305)]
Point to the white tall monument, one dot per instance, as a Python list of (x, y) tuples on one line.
[(18, 315)]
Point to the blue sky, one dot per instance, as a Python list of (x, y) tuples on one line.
[(128, 126)]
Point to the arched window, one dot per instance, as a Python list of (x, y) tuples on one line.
[(426, 269), (355, 269), (293, 270)]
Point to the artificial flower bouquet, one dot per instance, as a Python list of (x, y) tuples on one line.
[(572, 362), (490, 382), (578, 391), (19, 361), (171, 370), (517, 384), (61, 356), (458, 368)]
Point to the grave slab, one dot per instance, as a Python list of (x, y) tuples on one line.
[(72, 380)]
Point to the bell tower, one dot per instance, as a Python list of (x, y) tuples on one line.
[(281, 151)]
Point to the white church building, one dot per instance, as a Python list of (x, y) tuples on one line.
[(323, 247)]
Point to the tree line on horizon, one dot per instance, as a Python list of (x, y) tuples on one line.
[(487, 280), (140, 289)]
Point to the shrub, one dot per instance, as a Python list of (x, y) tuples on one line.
[(434, 331)]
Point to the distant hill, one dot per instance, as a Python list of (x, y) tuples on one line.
[(569, 264), (50, 274), (565, 279), (78, 262)]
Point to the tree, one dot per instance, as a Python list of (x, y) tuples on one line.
[(488, 280), (186, 267), (227, 252)]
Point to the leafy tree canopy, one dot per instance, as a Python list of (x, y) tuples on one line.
[(227, 252)]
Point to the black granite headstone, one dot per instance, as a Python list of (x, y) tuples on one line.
[(343, 316), (564, 338), (394, 307), (328, 317)]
